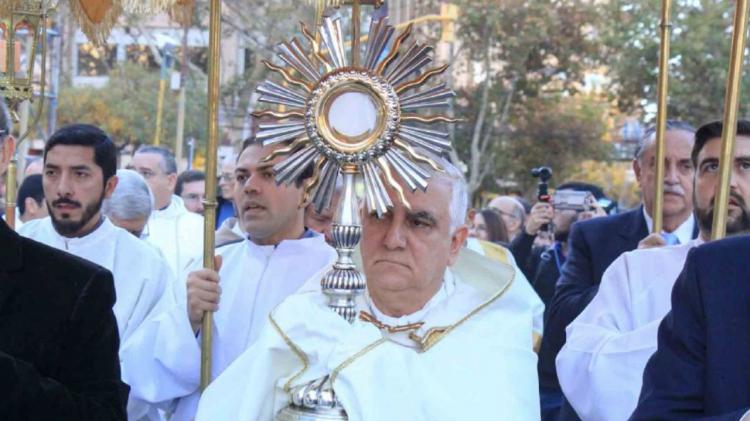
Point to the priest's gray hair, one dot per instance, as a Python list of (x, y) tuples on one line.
[(132, 198), (459, 204)]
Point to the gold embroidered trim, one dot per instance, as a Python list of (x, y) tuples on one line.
[(297, 351), (436, 334), (367, 317), (348, 361)]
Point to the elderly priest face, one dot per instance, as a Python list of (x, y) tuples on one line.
[(405, 253), (450, 326)]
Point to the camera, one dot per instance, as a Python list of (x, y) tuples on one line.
[(573, 200), (542, 173)]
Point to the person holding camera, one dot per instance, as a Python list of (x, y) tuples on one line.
[(594, 245), (572, 202)]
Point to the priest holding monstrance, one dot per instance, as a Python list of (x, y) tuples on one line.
[(421, 338), (428, 343)]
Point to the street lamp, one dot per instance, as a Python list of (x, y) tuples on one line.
[(20, 31), (22, 24)]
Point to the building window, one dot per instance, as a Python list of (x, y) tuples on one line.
[(141, 54), (95, 61)]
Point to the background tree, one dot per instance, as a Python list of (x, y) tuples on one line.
[(126, 106), (520, 57), (700, 44)]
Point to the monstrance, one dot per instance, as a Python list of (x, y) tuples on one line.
[(354, 115)]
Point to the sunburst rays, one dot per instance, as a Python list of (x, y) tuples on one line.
[(394, 75)]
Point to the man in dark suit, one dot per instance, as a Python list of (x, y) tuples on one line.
[(58, 335), (595, 244), (701, 369)]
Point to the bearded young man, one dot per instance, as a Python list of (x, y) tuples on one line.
[(161, 362), (80, 161), (601, 365), (58, 336)]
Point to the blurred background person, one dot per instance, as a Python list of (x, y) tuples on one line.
[(30, 200), (321, 221), (131, 203), (225, 198), (512, 212), (488, 225), (177, 232), (191, 187), (33, 166)]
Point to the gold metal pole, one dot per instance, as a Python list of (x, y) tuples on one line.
[(729, 132), (661, 115), (355, 32), (159, 110), (10, 193), (209, 221), (11, 187)]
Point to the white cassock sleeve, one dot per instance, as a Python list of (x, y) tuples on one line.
[(246, 390), (159, 278), (161, 360), (601, 365)]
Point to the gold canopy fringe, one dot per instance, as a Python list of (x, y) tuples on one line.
[(96, 18), (181, 12), (147, 6)]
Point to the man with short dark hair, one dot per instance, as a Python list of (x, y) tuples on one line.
[(191, 187), (699, 367), (161, 362), (31, 200), (610, 342), (58, 336), (79, 174), (177, 232)]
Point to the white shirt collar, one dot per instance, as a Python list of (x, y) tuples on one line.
[(684, 232)]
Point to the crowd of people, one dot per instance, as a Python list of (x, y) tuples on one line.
[(554, 310)]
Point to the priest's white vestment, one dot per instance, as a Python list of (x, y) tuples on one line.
[(608, 345), (473, 357), (161, 361), (141, 275), (178, 233)]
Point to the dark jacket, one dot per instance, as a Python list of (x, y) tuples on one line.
[(592, 246), (701, 368), (58, 336)]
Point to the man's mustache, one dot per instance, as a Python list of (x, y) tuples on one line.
[(65, 201), (674, 189)]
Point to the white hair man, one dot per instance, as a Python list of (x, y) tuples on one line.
[(601, 365), (461, 346), (131, 203), (177, 232), (512, 212)]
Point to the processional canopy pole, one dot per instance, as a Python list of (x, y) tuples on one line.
[(352, 116), (661, 115), (23, 26), (729, 131)]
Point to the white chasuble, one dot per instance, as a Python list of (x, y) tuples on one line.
[(471, 359), (178, 233), (608, 345), (141, 275), (161, 362)]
